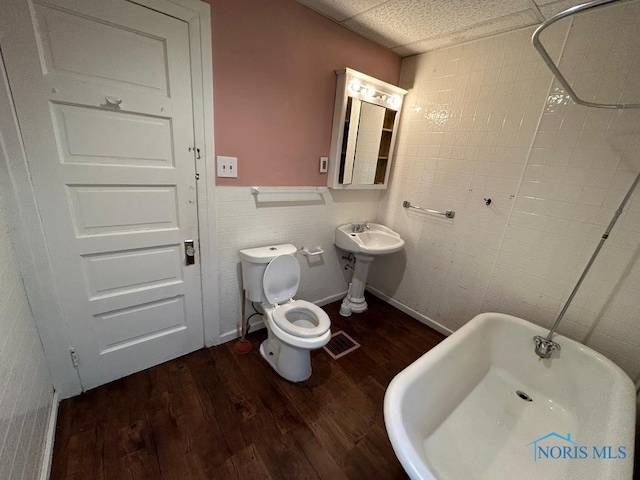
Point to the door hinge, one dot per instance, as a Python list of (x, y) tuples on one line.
[(74, 357), (196, 151)]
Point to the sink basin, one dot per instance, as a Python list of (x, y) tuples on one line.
[(375, 240)]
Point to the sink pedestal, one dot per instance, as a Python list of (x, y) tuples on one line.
[(365, 241), (354, 301)]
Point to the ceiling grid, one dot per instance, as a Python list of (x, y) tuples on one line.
[(410, 27)]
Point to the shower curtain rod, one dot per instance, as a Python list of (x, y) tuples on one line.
[(545, 346), (554, 68)]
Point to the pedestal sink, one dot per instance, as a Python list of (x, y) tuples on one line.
[(365, 241)]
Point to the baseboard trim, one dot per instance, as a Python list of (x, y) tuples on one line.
[(233, 334), (410, 311), (47, 456), (331, 298)]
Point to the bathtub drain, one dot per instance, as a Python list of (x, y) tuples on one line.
[(524, 396)]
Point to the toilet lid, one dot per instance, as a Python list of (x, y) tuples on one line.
[(281, 279)]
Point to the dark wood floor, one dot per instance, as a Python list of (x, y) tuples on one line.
[(214, 414)]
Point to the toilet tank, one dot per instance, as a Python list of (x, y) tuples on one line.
[(254, 263)]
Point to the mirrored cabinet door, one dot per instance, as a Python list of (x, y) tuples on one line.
[(365, 121)]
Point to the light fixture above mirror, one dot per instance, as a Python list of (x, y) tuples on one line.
[(365, 121)]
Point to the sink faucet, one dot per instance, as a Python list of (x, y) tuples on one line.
[(360, 227), (545, 346)]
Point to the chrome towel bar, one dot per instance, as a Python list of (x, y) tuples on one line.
[(448, 213)]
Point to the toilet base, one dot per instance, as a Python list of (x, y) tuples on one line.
[(291, 363)]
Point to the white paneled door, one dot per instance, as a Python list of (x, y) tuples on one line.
[(102, 89)]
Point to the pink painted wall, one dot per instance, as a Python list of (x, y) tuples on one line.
[(274, 86)]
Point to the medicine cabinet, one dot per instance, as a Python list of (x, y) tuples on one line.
[(365, 120)]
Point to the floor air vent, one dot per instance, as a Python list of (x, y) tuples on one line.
[(340, 344)]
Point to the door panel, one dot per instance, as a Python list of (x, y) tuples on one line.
[(75, 46), (101, 209), (103, 96), (126, 271), (93, 136), (122, 328)]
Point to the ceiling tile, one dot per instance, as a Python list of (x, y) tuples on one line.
[(549, 2), (409, 27), (549, 8), (340, 10), (491, 27), (399, 22)]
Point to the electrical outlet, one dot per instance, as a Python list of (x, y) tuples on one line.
[(324, 164), (228, 167)]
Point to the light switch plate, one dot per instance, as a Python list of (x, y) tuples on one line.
[(227, 167), (324, 164)]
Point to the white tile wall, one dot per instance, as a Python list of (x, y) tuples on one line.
[(483, 120), (581, 164), (244, 223), (469, 120), (26, 392)]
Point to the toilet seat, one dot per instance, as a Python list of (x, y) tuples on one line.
[(297, 317), (301, 319)]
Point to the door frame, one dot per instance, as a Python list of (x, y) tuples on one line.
[(23, 217)]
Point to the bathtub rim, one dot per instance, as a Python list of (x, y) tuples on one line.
[(403, 447)]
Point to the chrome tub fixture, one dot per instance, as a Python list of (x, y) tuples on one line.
[(545, 346)]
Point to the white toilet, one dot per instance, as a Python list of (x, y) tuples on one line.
[(271, 276)]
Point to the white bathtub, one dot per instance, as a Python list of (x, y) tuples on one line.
[(454, 413)]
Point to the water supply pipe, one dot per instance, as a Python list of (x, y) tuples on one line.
[(544, 345)]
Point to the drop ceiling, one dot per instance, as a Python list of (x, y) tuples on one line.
[(409, 27)]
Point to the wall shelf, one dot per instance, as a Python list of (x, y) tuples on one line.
[(288, 194)]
